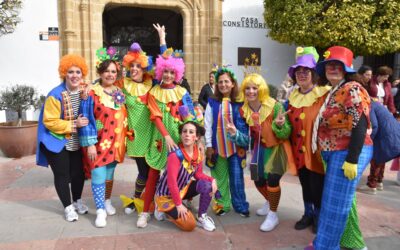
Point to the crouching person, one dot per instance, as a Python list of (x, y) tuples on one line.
[(184, 179)]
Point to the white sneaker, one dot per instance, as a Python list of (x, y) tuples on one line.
[(144, 217), (206, 222), (264, 210), (379, 186), (101, 218), (70, 214), (270, 222), (80, 207), (367, 190), (160, 216), (109, 207), (130, 208)]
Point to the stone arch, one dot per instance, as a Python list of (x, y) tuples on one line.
[(80, 25)]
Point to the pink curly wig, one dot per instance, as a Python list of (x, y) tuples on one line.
[(176, 64), (68, 61)]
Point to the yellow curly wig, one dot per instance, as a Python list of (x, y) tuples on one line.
[(68, 61)]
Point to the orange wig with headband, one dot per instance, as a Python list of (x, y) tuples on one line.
[(69, 61)]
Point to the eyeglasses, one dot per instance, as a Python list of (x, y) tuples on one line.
[(302, 72)]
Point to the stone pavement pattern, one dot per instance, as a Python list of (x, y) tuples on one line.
[(31, 217)]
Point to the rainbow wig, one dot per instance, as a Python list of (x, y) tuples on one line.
[(257, 80), (136, 54), (170, 60), (68, 61)]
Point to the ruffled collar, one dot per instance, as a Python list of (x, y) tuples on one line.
[(191, 163), (265, 110), (137, 89), (105, 99), (167, 95), (299, 100)]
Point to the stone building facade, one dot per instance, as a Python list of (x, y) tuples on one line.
[(81, 31)]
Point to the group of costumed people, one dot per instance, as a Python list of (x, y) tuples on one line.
[(319, 134), (85, 131)]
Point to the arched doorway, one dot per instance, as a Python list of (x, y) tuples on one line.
[(123, 25), (198, 28)]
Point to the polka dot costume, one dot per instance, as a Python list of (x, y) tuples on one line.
[(111, 129)]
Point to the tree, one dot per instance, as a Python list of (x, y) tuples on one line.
[(367, 27), (9, 11), (19, 98)]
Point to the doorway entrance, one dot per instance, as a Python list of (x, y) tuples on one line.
[(124, 25)]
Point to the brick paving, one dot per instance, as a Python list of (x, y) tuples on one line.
[(32, 217)]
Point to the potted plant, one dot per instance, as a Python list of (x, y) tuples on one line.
[(18, 138)]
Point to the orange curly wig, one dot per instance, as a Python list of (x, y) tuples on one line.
[(68, 61), (134, 56)]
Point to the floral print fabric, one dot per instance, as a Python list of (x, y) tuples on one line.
[(342, 113)]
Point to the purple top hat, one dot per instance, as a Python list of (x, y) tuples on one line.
[(307, 61)]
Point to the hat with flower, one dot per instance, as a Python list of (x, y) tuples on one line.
[(340, 54), (104, 54), (136, 54), (305, 57), (171, 60), (187, 114)]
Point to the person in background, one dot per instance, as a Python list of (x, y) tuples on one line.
[(57, 137), (285, 89), (380, 90), (366, 72), (104, 137), (207, 90), (184, 83), (396, 95)]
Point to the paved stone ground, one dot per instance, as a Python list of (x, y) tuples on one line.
[(31, 217)]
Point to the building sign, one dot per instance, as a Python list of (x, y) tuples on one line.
[(249, 56), (50, 35), (245, 22)]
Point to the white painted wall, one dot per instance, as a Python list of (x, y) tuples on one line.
[(24, 58), (275, 57)]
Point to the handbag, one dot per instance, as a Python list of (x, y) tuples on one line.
[(249, 155), (253, 166)]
